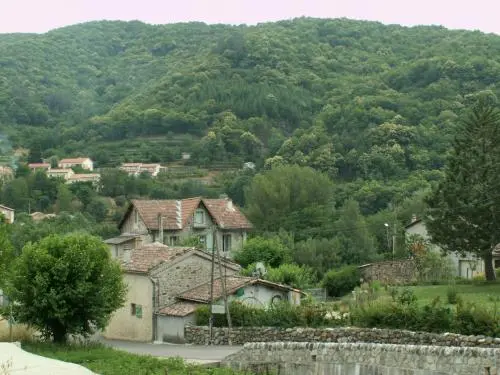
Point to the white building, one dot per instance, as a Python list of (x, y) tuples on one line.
[(84, 163), (465, 266)]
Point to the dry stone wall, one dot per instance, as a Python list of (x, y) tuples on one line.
[(241, 335), (390, 272), (292, 358)]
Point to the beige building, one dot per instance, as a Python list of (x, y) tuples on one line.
[(466, 266), (155, 274), (39, 166), (84, 163), (94, 178), (8, 213), (215, 222), (65, 174)]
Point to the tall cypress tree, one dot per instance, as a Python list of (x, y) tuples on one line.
[(464, 209)]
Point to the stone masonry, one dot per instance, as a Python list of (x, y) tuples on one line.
[(390, 272), (241, 335), (292, 358)]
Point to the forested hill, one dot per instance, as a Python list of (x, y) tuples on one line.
[(357, 100)]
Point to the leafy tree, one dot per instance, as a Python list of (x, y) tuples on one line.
[(462, 213), (300, 277), (293, 198), (7, 251), (270, 251), (64, 199), (66, 285), (321, 254)]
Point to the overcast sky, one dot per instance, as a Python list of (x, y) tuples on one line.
[(43, 15)]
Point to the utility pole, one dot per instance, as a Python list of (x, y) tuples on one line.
[(224, 293), (211, 320)]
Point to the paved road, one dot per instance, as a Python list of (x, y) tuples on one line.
[(192, 353)]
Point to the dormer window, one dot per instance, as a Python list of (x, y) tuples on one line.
[(199, 217)]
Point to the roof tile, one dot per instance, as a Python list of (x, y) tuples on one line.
[(179, 308), (150, 255)]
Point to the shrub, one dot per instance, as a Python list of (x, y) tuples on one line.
[(301, 277), (479, 277), (452, 295), (342, 281), (474, 320), (271, 251), (407, 297)]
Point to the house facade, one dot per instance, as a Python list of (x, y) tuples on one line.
[(215, 222), (65, 173), (250, 291), (155, 274), (466, 266), (84, 163), (8, 213), (34, 167)]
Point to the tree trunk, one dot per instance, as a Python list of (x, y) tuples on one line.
[(59, 333), (489, 271)]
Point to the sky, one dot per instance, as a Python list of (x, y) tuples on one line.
[(42, 15)]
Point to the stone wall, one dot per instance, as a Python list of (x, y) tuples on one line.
[(241, 335), (363, 359), (390, 272)]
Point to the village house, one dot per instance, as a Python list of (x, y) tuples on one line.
[(84, 163), (465, 266), (215, 222), (6, 173), (94, 178), (65, 174), (7, 213), (155, 274), (34, 167), (135, 169)]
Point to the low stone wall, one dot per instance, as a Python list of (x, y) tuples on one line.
[(390, 272), (293, 358), (241, 335)]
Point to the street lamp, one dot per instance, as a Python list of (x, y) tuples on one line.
[(387, 234)]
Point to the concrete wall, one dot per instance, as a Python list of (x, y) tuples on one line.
[(171, 328), (362, 359), (390, 272), (174, 278), (124, 325), (465, 266), (242, 335)]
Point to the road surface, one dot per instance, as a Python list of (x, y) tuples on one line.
[(190, 353)]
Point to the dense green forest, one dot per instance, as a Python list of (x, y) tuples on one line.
[(371, 107)]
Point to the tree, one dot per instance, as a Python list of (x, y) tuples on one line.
[(7, 252), (463, 215), (64, 199), (293, 198), (270, 251), (66, 285)]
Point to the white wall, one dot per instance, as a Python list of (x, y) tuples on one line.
[(259, 295), (463, 265), (171, 328)]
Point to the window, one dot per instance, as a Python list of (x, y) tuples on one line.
[(199, 217), (174, 240), (136, 310), (226, 243), (203, 240)]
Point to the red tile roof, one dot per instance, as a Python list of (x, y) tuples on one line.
[(73, 160), (176, 213), (150, 255), (39, 165), (179, 308), (201, 293)]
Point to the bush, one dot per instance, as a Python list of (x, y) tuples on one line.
[(300, 277), (340, 282), (479, 277), (270, 251), (452, 295), (473, 320)]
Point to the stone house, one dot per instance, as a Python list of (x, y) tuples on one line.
[(466, 266), (84, 163), (8, 213), (213, 221), (254, 292), (155, 274)]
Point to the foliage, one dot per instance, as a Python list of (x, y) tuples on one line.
[(452, 295), (339, 282), (321, 254), (292, 198), (271, 251), (7, 251), (66, 285), (461, 216), (108, 361), (300, 277), (281, 314)]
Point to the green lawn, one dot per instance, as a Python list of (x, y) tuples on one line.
[(477, 293), (108, 361)]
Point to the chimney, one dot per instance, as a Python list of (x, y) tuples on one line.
[(229, 204), (160, 228), (414, 218)]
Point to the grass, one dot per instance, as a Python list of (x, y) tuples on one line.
[(107, 361), (20, 332), (484, 294)]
